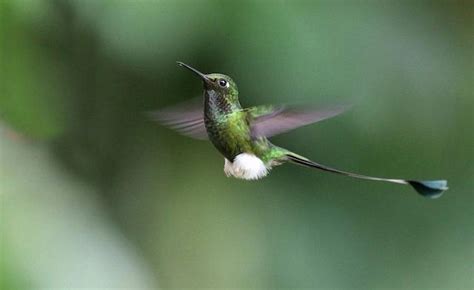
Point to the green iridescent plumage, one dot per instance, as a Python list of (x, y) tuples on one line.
[(241, 134)]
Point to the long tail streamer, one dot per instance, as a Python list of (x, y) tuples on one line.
[(426, 188)]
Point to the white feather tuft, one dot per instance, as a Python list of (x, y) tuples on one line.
[(246, 166)]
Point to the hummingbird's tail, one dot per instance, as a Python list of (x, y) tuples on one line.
[(427, 188)]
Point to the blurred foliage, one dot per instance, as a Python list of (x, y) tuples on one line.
[(95, 195)]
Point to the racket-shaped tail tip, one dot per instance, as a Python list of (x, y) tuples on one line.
[(430, 188)]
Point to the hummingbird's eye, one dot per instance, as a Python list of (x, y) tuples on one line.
[(223, 83)]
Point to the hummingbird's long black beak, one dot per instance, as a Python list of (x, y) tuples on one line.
[(203, 76)]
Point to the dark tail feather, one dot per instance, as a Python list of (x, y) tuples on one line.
[(427, 188)]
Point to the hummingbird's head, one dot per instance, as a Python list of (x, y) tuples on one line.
[(215, 81), (220, 82)]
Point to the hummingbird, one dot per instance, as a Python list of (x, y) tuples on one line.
[(241, 134)]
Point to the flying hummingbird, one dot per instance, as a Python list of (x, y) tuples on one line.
[(241, 134)]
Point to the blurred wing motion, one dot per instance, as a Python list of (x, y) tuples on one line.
[(273, 120), (186, 118)]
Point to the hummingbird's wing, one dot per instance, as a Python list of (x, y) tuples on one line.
[(273, 120), (186, 118)]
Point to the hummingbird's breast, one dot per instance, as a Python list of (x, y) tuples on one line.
[(226, 125)]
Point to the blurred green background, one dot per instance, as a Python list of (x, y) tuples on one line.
[(93, 195)]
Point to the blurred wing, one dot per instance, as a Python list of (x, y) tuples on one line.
[(186, 118), (273, 120)]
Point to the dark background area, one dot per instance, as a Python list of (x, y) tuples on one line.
[(95, 195)]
